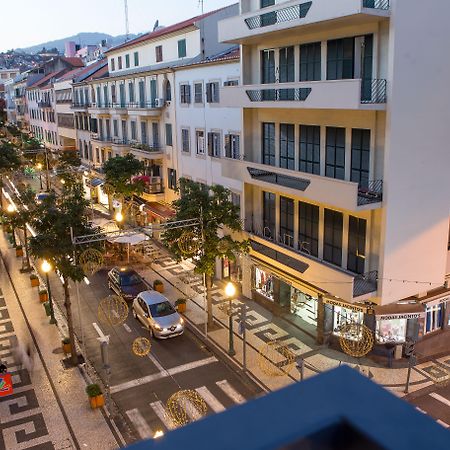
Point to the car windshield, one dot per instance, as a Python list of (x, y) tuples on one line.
[(161, 309), (128, 279)]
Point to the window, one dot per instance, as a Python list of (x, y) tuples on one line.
[(231, 83), (113, 93), (434, 317), (113, 65), (310, 149), (332, 242), (185, 93), (356, 244), (287, 146), (168, 91), (266, 3), (172, 178), (286, 65), (268, 18), (155, 134), (159, 53), (98, 97), (335, 153), (105, 96), (141, 94), (131, 92), (136, 59), (124, 130), (182, 48), (232, 146), (236, 200), (308, 228), (360, 157), (185, 140), (115, 128), (122, 95), (127, 61), (200, 142), (268, 144), (310, 66), (119, 62), (340, 59), (269, 210), (287, 221), (268, 66), (212, 92), (214, 144), (168, 134), (198, 93), (144, 132), (133, 130)]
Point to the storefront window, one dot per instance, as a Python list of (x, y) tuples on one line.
[(264, 283), (304, 306), (343, 316), (392, 330), (434, 318)]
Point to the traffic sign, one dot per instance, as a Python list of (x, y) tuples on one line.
[(6, 386)]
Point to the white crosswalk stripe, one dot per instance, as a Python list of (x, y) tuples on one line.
[(441, 422), (160, 411), (210, 400), (142, 427), (230, 391), (439, 398)]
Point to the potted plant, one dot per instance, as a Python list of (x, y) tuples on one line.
[(34, 280), (19, 250), (66, 346), (43, 295), (180, 304), (158, 286), (95, 395)]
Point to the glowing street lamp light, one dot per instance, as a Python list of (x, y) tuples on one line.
[(46, 267), (39, 166), (119, 217), (230, 292), (11, 210)]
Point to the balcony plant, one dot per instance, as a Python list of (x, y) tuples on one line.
[(19, 250), (158, 286), (180, 304), (66, 346), (43, 295), (95, 395), (34, 280)]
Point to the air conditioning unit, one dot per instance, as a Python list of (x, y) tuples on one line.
[(159, 102)]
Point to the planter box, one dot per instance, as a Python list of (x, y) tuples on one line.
[(97, 402), (159, 288), (19, 251), (181, 308), (43, 297), (34, 282), (67, 348)]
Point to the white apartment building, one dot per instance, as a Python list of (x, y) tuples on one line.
[(345, 108)]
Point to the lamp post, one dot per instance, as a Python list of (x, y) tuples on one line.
[(47, 176), (39, 167), (46, 267), (230, 292), (11, 209)]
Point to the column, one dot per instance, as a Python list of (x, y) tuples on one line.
[(324, 321)]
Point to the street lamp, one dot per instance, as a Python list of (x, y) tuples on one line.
[(11, 209), (39, 167), (46, 267), (230, 292)]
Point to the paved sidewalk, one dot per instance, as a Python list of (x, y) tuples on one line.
[(49, 408), (263, 326)]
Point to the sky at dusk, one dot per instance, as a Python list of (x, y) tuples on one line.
[(31, 22)]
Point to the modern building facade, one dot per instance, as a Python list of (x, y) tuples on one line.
[(346, 220)]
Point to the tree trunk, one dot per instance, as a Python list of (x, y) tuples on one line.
[(110, 203), (25, 247), (68, 305), (209, 282)]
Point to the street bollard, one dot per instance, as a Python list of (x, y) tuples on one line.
[(411, 363), (301, 367)]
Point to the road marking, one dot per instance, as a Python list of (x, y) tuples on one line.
[(445, 425), (439, 398), (145, 432), (162, 374), (421, 410), (161, 412), (230, 391), (127, 327), (157, 364), (212, 401)]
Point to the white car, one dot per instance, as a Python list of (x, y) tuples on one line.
[(157, 314)]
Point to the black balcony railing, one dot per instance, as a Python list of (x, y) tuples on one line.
[(279, 95), (120, 141), (154, 188), (365, 283), (80, 105), (101, 105), (279, 16), (44, 104), (373, 91), (146, 147), (101, 138), (377, 4), (297, 183), (142, 105), (372, 192)]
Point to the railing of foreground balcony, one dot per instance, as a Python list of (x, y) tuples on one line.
[(365, 283), (142, 105), (101, 105), (146, 147), (372, 193), (120, 141), (154, 188), (373, 91), (44, 104), (280, 179), (279, 95), (279, 16), (377, 4), (101, 138), (80, 105)]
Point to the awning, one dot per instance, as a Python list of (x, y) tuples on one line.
[(413, 310), (160, 210), (95, 182)]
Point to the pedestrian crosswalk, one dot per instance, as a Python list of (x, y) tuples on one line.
[(443, 401), (159, 418)]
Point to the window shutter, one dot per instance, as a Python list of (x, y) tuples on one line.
[(227, 146), (208, 92), (188, 93), (210, 144)]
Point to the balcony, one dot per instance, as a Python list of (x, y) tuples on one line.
[(336, 280), (254, 26), (153, 191), (146, 151), (148, 109), (80, 106), (100, 108), (354, 94), (44, 104), (328, 191), (101, 138)]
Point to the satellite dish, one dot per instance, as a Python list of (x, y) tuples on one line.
[(156, 25)]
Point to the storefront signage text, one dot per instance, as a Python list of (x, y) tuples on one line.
[(401, 316), (330, 301)]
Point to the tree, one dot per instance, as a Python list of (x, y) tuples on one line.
[(207, 240), (56, 218), (119, 173), (68, 163), (9, 162)]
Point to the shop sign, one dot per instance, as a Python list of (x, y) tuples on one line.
[(417, 315), (341, 304), (6, 386)]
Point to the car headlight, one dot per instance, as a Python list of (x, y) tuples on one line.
[(181, 321), (157, 327)]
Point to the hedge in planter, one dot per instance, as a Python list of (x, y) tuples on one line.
[(34, 280), (180, 304), (67, 348), (158, 286), (43, 295), (95, 395)]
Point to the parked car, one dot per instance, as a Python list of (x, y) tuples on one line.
[(41, 196), (157, 314), (126, 282)]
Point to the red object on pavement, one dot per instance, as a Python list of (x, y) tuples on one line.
[(6, 386)]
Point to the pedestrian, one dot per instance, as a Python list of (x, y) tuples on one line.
[(3, 368)]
